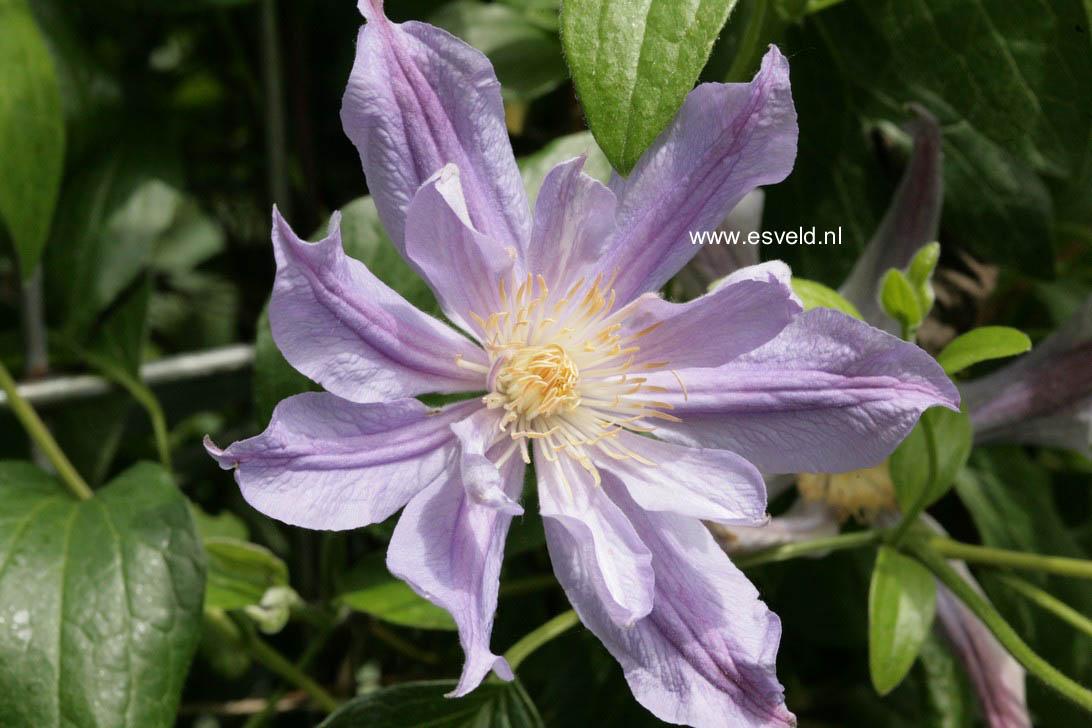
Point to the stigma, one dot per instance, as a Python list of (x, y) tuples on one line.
[(563, 372)]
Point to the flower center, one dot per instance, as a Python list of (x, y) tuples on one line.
[(563, 369), (539, 380)]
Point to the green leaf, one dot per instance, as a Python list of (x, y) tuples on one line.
[(369, 587), (902, 602), (31, 133), (240, 572), (534, 167), (224, 524), (633, 62), (815, 295), (982, 344), (115, 211), (951, 702), (900, 302), (526, 57), (100, 600), (491, 705), (924, 465)]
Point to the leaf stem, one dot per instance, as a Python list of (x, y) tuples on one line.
[(39, 434), (531, 641), (1049, 602), (276, 662), (922, 550), (262, 717), (788, 551), (1061, 565)]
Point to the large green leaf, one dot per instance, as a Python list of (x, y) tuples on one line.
[(902, 602), (368, 587), (100, 600), (633, 62), (31, 133), (491, 705)]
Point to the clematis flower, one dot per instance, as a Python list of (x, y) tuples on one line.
[(582, 366), (827, 499), (1043, 398)]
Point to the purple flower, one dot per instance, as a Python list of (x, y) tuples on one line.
[(1043, 398), (580, 363)]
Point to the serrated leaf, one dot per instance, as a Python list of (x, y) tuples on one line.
[(534, 167), (31, 133), (925, 464), (633, 62), (815, 295), (240, 572), (491, 705), (368, 587), (100, 600), (982, 344), (901, 606)]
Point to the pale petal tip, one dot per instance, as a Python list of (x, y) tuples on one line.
[(372, 10), (218, 454)]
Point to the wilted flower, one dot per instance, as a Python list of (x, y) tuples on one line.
[(828, 498), (580, 365)]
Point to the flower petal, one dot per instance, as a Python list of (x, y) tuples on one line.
[(449, 549), (328, 463), (714, 485), (705, 655), (460, 264), (726, 140), (909, 223), (341, 326), (830, 394), (803, 521), (714, 261), (740, 315), (588, 532), (419, 98), (1042, 398), (482, 479), (574, 221)]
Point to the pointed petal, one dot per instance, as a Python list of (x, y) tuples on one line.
[(460, 264), (803, 521), (341, 326), (482, 479), (751, 307), (328, 463), (586, 530), (909, 223), (714, 485), (449, 550), (417, 99), (726, 140), (830, 394), (574, 221), (705, 655), (1042, 398)]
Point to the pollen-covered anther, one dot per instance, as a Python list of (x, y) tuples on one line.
[(861, 494)]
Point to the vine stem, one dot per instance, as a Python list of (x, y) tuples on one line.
[(1049, 602), (276, 662), (531, 641), (784, 552), (1061, 565), (39, 434), (922, 550)]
